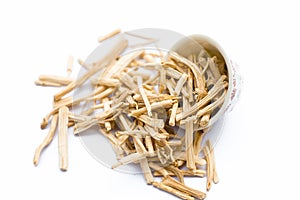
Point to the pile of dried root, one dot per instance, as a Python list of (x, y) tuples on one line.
[(140, 101)]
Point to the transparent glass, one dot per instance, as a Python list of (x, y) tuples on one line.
[(149, 39)]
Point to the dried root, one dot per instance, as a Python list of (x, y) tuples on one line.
[(140, 112)]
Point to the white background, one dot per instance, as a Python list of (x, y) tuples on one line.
[(257, 157)]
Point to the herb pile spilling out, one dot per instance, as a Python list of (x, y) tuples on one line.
[(154, 108)]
